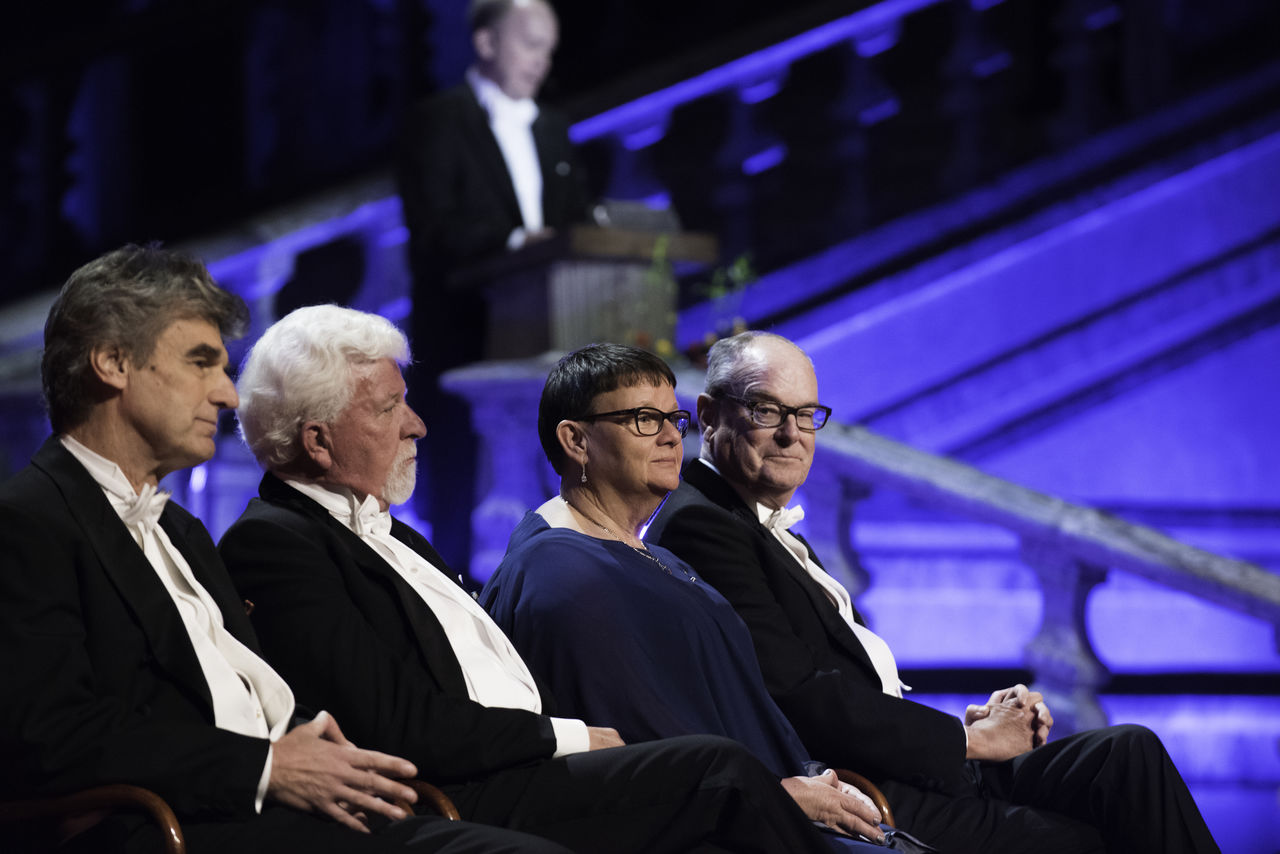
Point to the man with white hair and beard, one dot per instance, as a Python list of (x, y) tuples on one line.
[(361, 615)]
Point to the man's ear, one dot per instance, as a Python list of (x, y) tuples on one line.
[(111, 365), (317, 445), (573, 440), (708, 413), (483, 42)]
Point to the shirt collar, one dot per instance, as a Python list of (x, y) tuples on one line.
[(105, 473), (770, 518), (361, 517), (498, 104), (134, 508)]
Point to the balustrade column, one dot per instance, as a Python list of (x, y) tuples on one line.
[(1086, 50), (1066, 669), (828, 520), (865, 100), (511, 469), (633, 172), (975, 58)]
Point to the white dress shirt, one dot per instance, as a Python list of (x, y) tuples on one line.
[(249, 697), (778, 522), (511, 121), (494, 673)]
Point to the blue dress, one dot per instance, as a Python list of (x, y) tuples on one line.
[(634, 643)]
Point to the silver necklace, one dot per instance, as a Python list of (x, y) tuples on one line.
[(640, 551)]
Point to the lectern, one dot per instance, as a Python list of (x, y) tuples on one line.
[(583, 285)]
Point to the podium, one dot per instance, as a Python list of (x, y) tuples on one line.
[(585, 284)]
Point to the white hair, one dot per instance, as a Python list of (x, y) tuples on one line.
[(302, 369)]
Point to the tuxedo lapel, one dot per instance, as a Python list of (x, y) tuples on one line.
[(433, 644), (190, 538), (124, 563), (480, 138), (717, 490), (551, 162)]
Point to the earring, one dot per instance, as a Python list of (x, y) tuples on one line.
[(584, 472)]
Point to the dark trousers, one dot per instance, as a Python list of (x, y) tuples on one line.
[(692, 793), (1113, 789)]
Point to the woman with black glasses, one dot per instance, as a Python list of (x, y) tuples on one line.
[(621, 631)]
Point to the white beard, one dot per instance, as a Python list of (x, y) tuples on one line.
[(402, 478)]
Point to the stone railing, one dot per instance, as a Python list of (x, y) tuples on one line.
[(1069, 547)]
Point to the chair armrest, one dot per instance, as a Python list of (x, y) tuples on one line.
[(74, 812), (439, 801), (871, 790)]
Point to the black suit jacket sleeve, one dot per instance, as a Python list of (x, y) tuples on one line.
[(101, 684), (832, 698), (334, 622)]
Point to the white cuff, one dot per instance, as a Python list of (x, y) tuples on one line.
[(516, 238), (571, 737), (263, 781)]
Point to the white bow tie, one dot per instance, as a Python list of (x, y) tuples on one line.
[(516, 113), (781, 520), (144, 510), (371, 519)]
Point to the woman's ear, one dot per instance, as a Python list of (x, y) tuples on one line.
[(573, 440), (317, 445), (111, 365)]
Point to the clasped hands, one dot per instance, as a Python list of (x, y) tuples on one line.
[(1013, 721), (823, 798), (838, 805), (314, 768)]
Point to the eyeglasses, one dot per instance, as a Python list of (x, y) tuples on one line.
[(770, 413), (649, 420)]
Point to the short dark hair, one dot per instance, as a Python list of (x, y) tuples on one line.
[(126, 298), (578, 378)]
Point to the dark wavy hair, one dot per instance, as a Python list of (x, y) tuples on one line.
[(578, 378), (125, 299)]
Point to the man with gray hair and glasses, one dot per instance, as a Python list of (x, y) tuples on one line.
[(987, 783)]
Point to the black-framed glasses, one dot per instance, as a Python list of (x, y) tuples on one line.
[(649, 420), (770, 413)]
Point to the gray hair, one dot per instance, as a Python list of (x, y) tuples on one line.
[(735, 366), (125, 299), (302, 369)]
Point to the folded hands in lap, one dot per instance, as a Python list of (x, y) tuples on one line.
[(838, 805), (315, 769)]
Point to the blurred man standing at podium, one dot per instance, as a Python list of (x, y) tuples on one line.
[(483, 169)]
